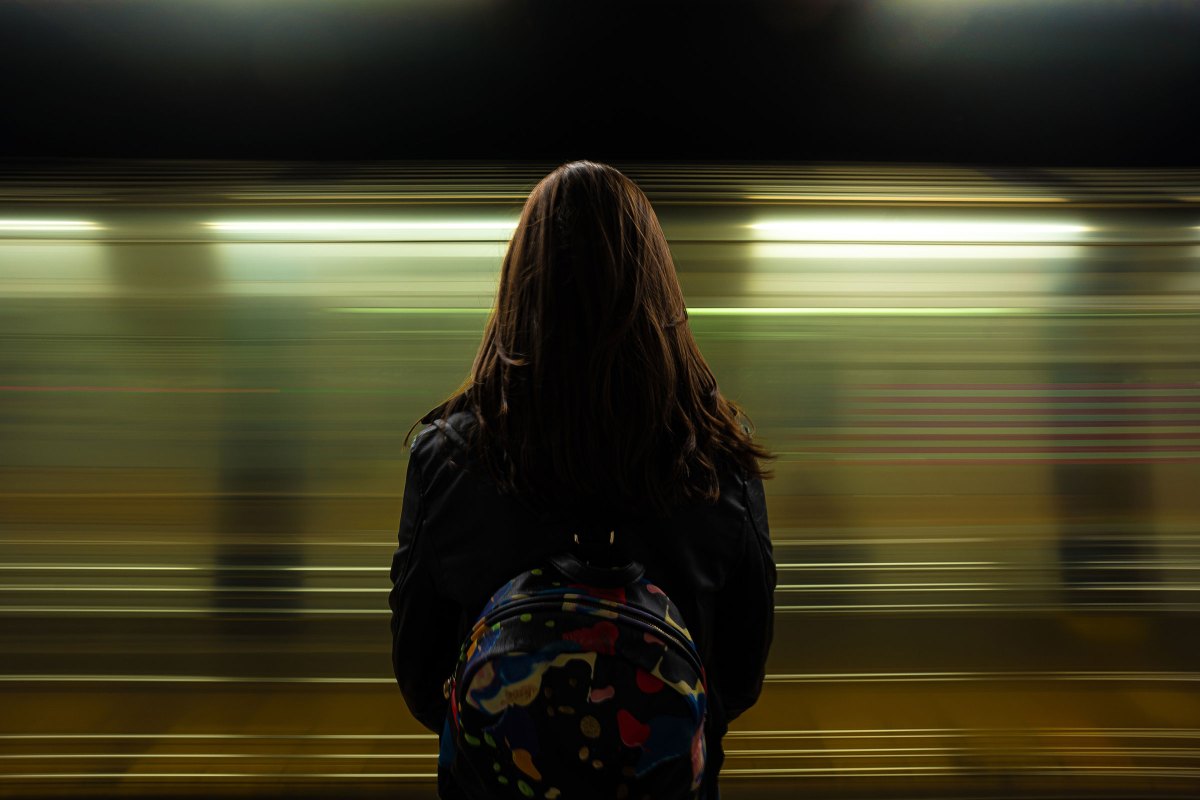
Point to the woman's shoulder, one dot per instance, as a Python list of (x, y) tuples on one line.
[(441, 438)]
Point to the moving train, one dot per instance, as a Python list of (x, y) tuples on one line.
[(982, 388)]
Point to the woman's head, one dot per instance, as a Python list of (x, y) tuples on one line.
[(588, 277), (588, 386)]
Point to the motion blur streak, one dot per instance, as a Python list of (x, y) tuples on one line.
[(917, 230), (456, 231), (983, 388), (47, 225)]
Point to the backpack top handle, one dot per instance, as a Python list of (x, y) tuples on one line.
[(595, 561)]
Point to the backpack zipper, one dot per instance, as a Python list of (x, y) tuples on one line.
[(640, 618)]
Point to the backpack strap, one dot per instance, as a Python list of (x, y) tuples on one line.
[(451, 434)]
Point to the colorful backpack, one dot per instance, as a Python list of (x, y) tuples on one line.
[(577, 681)]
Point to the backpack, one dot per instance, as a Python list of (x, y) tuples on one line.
[(578, 682)]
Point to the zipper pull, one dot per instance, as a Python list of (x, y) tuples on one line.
[(448, 687)]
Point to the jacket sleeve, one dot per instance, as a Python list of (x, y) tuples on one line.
[(424, 624), (746, 611)]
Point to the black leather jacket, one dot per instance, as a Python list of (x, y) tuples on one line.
[(460, 540)]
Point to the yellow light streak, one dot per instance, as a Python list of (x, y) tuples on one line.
[(882, 564), (194, 610), (940, 311), (452, 230), (924, 230), (958, 770), (48, 225), (290, 197), (274, 777), (906, 198), (915, 252), (250, 736), (742, 311), (180, 568), (183, 679), (285, 756), (197, 589), (916, 733)]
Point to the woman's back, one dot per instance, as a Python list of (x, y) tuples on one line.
[(588, 404), (461, 539)]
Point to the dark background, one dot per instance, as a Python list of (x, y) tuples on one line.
[(1032, 82)]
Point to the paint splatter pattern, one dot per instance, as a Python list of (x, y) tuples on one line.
[(572, 691)]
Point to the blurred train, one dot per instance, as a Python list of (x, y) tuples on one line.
[(983, 389)]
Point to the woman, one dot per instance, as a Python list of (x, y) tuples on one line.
[(588, 404)]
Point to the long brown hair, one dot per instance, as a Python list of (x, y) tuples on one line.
[(588, 387)]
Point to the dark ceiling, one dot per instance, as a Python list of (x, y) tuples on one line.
[(1031, 82)]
